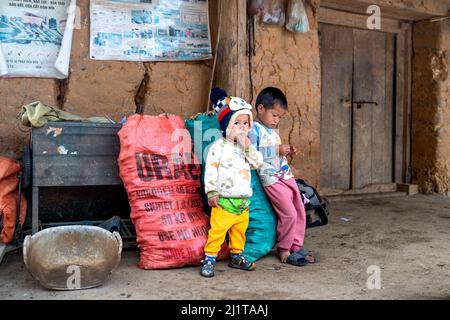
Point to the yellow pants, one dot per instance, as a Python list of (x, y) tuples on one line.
[(222, 222)]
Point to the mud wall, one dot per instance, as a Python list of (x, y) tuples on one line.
[(291, 62), (106, 88), (431, 107)]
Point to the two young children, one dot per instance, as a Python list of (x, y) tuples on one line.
[(227, 179)]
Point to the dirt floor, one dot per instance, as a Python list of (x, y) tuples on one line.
[(408, 238)]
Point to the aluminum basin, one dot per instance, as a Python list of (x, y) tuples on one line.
[(72, 257)]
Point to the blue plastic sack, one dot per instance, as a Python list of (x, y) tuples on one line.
[(261, 235), (197, 126)]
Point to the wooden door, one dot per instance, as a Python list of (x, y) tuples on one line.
[(357, 107)]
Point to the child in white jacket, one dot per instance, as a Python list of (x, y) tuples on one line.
[(227, 181)]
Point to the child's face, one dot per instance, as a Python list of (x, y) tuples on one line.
[(241, 125), (270, 117)]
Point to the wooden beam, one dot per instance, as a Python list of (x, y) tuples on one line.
[(231, 71), (399, 108), (397, 10), (353, 20), (242, 87)]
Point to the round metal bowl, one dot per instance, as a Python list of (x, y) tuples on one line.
[(72, 257)]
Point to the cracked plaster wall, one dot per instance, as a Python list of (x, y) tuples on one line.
[(431, 107), (105, 88), (291, 62)]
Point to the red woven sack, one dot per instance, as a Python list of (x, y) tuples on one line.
[(163, 186)]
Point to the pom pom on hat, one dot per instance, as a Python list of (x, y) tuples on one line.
[(217, 96)]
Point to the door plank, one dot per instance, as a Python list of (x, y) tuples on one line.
[(390, 108), (406, 143), (372, 124), (400, 121), (337, 58)]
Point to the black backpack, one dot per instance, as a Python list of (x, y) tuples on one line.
[(317, 205)]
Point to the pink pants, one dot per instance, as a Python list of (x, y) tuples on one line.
[(288, 204)]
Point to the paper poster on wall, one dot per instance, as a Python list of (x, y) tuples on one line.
[(150, 30), (36, 37)]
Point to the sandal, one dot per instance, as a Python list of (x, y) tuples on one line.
[(301, 256), (207, 269), (240, 262), (297, 260)]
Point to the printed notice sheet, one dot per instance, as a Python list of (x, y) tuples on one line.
[(36, 37), (150, 30)]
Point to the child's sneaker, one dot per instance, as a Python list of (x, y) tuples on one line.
[(238, 261), (207, 269)]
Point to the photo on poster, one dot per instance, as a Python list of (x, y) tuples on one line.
[(150, 30)]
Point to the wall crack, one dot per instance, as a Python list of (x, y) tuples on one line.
[(141, 92)]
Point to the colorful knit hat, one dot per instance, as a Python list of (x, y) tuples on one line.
[(228, 108)]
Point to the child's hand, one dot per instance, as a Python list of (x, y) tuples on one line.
[(284, 150), (243, 141), (213, 201), (293, 150)]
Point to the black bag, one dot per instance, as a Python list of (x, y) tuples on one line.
[(317, 205)]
